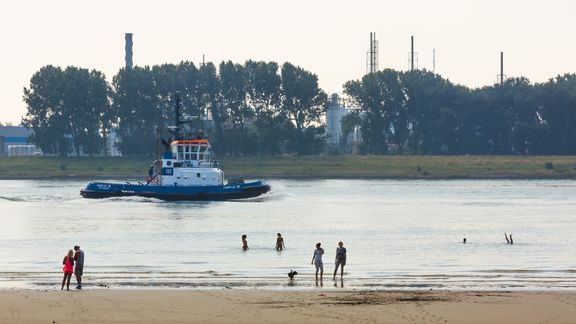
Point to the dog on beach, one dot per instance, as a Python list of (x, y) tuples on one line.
[(291, 274)]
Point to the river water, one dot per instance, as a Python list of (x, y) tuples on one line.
[(399, 235)]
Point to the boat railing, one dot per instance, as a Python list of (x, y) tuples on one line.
[(202, 164), (154, 179)]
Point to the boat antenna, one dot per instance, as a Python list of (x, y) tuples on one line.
[(157, 143), (178, 130), (177, 115)]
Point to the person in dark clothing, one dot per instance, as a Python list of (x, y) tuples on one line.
[(244, 243), (280, 242), (340, 259), (79, 268)]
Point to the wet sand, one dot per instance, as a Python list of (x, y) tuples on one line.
[(317, 306)]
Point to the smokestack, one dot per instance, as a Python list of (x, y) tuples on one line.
[(434, 60), (411, 53), (128, 49), (501, 67)]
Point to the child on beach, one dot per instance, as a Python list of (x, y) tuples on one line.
[(317, 260), (68, 269), (280, 242)]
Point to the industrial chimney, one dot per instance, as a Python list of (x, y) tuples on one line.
[(411, 53), (128, 48)]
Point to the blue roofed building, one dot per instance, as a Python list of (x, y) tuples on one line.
[(13, 135)]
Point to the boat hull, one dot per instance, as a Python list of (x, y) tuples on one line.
[(100, 190)]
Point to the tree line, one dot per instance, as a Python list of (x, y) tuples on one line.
[(419, 112), (253, 108), (265, 109)]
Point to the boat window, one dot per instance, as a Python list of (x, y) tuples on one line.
[(201, 157), (187, 149), (198, 175), (187, 156)]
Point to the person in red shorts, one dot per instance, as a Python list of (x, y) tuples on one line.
[(68, 269)]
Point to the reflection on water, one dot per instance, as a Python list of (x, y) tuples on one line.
[(399, 235)]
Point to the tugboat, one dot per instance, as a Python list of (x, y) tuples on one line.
[(185, 172)]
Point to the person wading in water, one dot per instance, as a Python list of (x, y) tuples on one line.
[(340, 259), (68, 269)]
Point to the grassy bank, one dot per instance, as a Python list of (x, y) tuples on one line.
[(344, 166)]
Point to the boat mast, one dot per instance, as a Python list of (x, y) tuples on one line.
[(177, 116)]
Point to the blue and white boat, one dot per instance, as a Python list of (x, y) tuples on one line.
[(185, 172)]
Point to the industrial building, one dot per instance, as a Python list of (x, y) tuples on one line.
[(336, 140), (14, 137), (334, 116)]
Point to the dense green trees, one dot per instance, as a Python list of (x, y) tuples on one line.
[(68, 107), (263, 108), (557, 116), (419, 112), (303, 102), (252, 108), (263, 96)]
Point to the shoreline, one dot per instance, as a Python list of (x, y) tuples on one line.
[(405, 167), (141, 178), (262, 306), (507, 281)]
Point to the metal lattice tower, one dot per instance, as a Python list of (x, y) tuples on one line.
[(372, 55)]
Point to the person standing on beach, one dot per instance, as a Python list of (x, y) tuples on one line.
[(244, 243), (340, 259), (280, 242), (79, 268), (317, 260), (68, 269)]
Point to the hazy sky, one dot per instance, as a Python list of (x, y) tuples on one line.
[(329, 38)]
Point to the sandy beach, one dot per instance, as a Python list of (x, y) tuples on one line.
[(241, 306)]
